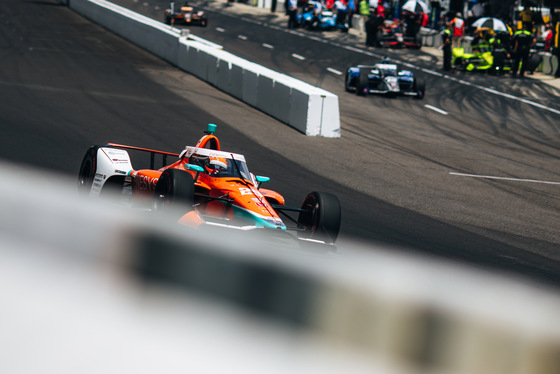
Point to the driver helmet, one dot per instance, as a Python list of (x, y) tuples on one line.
[(216, 164)]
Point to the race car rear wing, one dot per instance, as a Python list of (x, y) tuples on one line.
[(152, 152)]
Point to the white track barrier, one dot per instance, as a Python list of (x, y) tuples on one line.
[(88, 287), (309, 109)]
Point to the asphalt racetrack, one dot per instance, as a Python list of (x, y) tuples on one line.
[(471, 173)]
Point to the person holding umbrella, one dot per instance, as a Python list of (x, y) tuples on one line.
[(412, 21)]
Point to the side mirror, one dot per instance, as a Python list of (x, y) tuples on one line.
[(197, 168), (261, 179)]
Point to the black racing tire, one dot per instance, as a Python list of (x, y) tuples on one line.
[(459, 63), (346, 85), (363, 83), (88, 168), (174, 193), (420, 88), (418, 41), (534, 62), (204, 23), (320, 218)]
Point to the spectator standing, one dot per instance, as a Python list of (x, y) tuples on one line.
[(548, 35), (370, 32), (522, 41), (292, 9), (341, 14), (457, 30), (469, 29), (363, 7), (351, 10), (317, 10), (446, 47), (556, 46), (527, 19), (424, 20), (412, 21), (374, 25), (380, 11)]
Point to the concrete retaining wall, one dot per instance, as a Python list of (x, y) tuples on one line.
[(309, 109)]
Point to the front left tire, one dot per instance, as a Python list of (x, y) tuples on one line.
[(174, 193)]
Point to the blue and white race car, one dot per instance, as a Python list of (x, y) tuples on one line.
[(383, 78)]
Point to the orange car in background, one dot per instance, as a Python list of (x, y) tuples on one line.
[(186, 15), (205, 186)]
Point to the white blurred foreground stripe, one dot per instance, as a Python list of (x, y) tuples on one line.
[(89, 288)]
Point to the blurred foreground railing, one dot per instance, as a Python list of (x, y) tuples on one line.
[(89, 288)]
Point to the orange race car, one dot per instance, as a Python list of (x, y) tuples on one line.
[(205, 186), (185, 14)]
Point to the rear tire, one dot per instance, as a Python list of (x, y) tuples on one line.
[(88, 168), (321, 216), (174, 193)]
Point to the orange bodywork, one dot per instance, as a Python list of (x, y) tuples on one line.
[(223, 198), (143, 184)]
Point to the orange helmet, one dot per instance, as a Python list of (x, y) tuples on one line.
[(216, 164)]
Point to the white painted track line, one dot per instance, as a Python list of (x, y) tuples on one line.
[(294, 55), (334, 71), (504, 178), (436, 109)]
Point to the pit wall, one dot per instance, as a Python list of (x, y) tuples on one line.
[(309, 109)]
